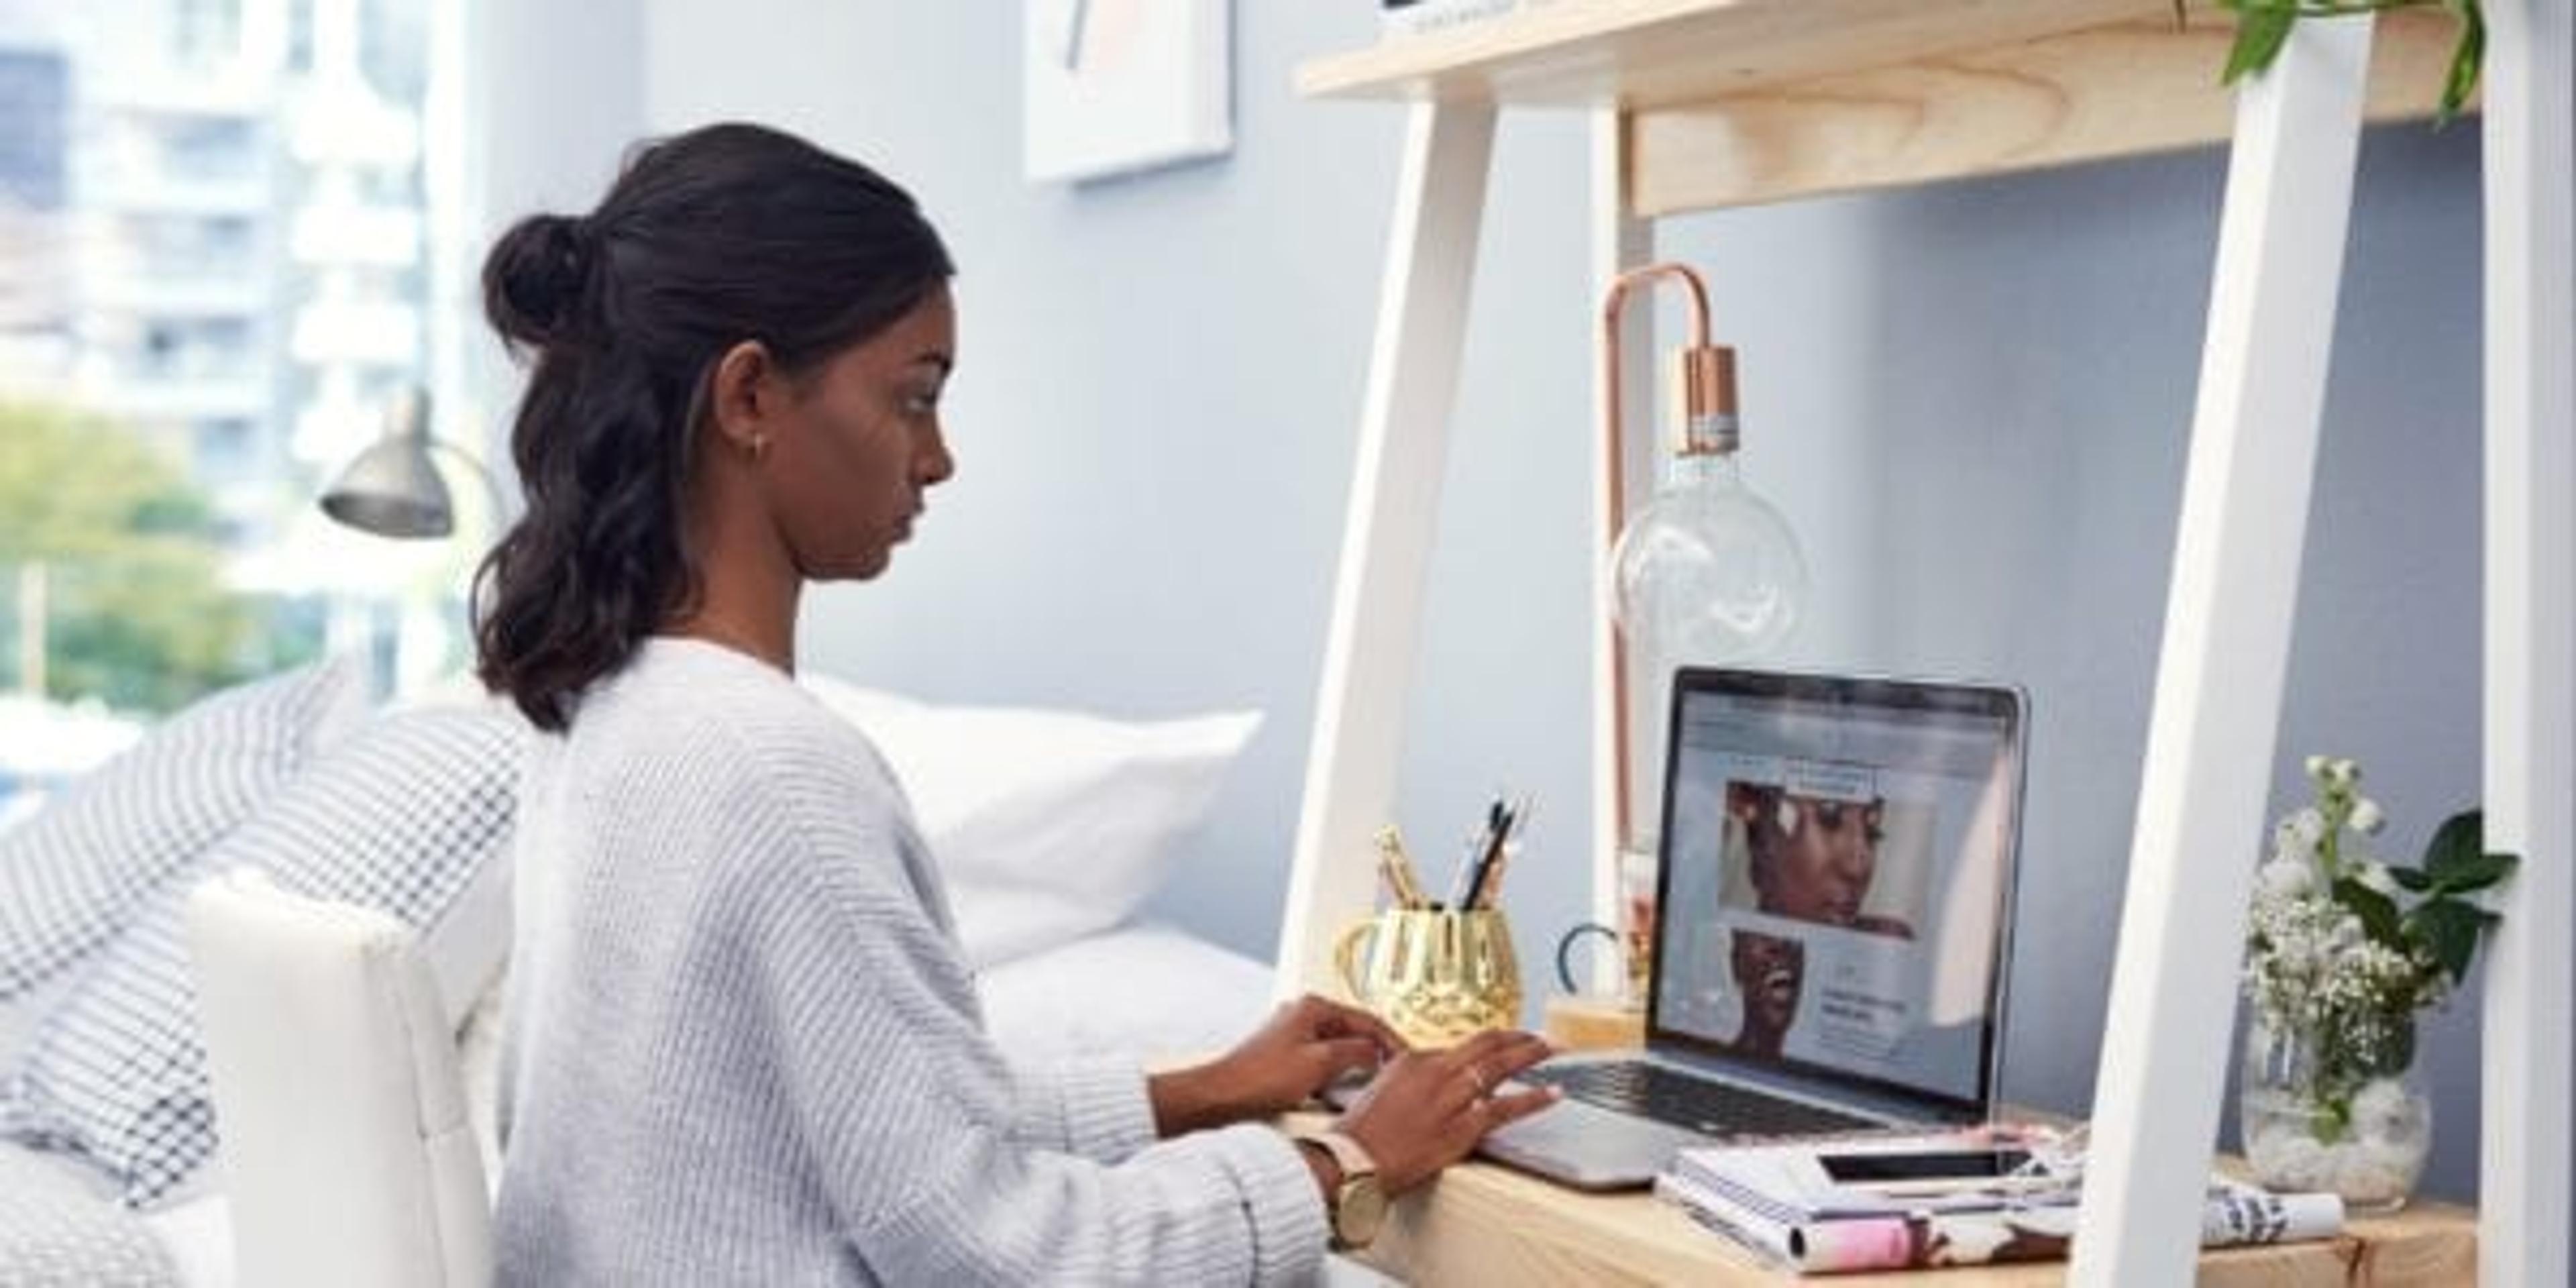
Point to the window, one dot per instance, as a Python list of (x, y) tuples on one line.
[(214, 262), (204, 32)]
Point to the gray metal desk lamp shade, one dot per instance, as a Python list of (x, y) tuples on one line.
[(391, 489)]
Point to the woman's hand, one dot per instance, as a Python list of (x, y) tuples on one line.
[(1427, 1110), (1306, 1044)]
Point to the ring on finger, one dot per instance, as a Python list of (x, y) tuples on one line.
[(1477, 1076)]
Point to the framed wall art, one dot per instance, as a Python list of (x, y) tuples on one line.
[(1114, 86)]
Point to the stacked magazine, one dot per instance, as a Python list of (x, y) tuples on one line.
[(1784, 1201)]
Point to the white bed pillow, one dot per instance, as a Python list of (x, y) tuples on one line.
[(78, 872), (411, 817), (1047, 825)]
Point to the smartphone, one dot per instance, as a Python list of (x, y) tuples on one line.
[(1940, 1165)]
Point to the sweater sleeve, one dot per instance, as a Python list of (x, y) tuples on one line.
[(1100, 1109), (923, 1138)]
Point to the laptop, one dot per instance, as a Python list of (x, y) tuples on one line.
[(1833, 925)]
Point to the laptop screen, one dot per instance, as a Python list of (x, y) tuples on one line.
[(1836, 868)]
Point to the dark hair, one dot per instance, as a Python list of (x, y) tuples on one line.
[(723, 234)]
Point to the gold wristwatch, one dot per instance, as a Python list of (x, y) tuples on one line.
[(1357, 1207)]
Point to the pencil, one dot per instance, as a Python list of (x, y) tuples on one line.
[(1397, 869), (1491, 888)]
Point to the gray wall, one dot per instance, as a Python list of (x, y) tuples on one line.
[(1972, 402), (551, 94)]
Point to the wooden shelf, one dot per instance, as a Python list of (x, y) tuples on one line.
[(1737, 102)]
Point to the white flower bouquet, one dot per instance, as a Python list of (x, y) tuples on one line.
[(2344, 951)]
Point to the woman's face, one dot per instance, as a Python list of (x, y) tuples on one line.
[(862, 444), (1769, 973), (1825, 863)]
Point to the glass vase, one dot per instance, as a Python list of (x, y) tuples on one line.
[(2317, 1118)]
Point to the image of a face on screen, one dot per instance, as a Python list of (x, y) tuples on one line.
[(1836, 871), (1827, 848)]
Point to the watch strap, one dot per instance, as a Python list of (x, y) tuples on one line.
[(1348, 1154)]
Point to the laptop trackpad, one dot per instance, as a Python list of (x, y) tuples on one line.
[(1587, 1147)]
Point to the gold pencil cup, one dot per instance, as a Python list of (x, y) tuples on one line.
[(1436, 977)]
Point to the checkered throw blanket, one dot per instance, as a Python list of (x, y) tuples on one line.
[(57, 1233)]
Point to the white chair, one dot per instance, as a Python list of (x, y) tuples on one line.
[(347, 1156)]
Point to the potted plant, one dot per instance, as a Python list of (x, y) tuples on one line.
[(2344, 953)]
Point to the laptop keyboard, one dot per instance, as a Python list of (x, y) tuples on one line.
[(1695, 1104)]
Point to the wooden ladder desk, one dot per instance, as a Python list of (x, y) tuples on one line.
[(1705, 103), (1492, 1227)]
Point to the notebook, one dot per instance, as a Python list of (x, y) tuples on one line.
[(1832, 922)]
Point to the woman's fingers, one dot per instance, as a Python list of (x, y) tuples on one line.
[(1478, 1067), (1514, 1106), (1478, 1054), (1479, 1117), (1427, 1110), (1527, 1050), (1340, 1056), (1326, 1018), (1354, 1020), (1466, 1087), (1495, 1056), (1446, 1083)]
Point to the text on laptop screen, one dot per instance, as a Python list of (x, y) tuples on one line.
[(1834, 873)]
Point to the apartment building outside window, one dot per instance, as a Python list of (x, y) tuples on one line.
[(215, 263)]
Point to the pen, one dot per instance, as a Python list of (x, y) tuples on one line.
[(1471, 864), (1486, 852), (1489, 884)]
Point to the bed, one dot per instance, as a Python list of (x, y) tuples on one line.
[(1052, 829)]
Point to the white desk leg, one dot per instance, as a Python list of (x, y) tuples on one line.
[(1619, 242), (2530, 712), (1386, 538), (2226, 647)]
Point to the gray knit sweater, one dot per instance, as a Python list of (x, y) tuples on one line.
[(744, 1049)]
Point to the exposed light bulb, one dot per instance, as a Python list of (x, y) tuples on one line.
[(1709, 573)]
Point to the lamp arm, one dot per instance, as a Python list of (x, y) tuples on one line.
[(1623, 284), (1615, 514)]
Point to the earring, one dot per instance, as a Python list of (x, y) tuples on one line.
[(759, 447)]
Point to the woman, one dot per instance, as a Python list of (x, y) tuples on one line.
[(744, 1048)]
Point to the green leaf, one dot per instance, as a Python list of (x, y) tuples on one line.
[(2460, 841), (2465, 60), (2415, 879), (2449, 929), (2378, 912), (2475, 874), (2457, 859), (2260, 33)]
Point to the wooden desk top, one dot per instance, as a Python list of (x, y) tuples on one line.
[(1484, 1224)]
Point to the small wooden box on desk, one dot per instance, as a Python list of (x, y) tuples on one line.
[(1490, 1226)]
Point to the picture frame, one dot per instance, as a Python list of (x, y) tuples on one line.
[(1119, 86)]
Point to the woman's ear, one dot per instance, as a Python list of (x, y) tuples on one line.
[(743, 397)]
